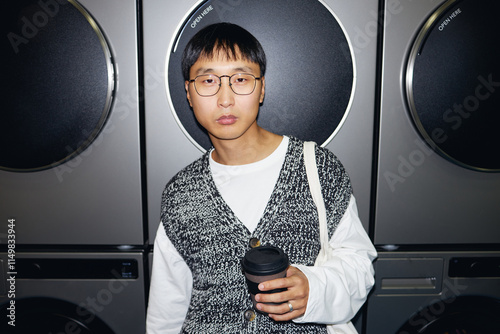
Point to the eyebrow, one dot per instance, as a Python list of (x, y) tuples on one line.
[(208, 70)]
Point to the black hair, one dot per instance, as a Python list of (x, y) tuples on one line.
[(223, 38)]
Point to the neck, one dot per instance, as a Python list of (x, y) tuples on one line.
[(245, 150)]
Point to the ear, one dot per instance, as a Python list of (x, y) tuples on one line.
[(263, 89), (188, 95)]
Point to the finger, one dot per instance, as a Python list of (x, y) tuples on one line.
[(288, 282), (278, 283), (284, 307), (275, 308), (293, 277), (277, 298), (285, 317), (291, 293), (284, 312)]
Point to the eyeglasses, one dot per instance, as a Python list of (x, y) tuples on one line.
[(209, 84)]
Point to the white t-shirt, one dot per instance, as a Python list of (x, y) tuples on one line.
[(247, 188)]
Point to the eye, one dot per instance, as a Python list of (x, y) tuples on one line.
[(208, 80), (240, 79)]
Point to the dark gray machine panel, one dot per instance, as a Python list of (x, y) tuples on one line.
[(320, 81), (309, 95), (88, 293), (69, 123), (435, 292), (438, 180), (59, 84), (451, 79)]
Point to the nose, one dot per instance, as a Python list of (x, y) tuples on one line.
[(225, 94)]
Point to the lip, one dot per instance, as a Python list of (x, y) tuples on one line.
[(227, 119)]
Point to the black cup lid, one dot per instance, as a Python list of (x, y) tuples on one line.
[(265, 260)]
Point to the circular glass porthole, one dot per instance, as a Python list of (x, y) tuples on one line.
[(310, 76), (50, 315), (453, 83), (57, 83), (463, 315)]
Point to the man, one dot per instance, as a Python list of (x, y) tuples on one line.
[(250, 189)]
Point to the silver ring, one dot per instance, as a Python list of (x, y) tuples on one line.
[(290, 306)]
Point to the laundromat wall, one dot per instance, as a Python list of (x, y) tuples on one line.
[(94, 122)]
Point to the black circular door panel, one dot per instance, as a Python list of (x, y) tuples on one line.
[(453, 83), (49, 315), (57, 83), (463, 315), (309, 77)]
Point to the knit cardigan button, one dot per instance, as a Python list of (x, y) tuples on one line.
[(250, 315), (254, 242)]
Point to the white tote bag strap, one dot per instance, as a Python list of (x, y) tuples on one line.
[(315, 188)]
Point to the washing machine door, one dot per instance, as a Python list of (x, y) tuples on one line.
[(49, 315), (463, 315), (452, 83), (57, 83), (310, 78)]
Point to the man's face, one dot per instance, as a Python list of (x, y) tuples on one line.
[(226, 115)]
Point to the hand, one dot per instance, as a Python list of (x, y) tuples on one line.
[(297, 294)]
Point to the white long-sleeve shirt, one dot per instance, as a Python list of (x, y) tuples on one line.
[(336, 290)]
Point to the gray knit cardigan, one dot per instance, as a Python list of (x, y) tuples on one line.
[(213, 241)]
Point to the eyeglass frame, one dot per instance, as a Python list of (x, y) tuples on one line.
[(229, 82)]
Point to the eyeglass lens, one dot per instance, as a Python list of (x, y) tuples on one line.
[(209, 84)]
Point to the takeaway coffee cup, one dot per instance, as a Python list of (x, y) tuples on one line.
[(262, 264)]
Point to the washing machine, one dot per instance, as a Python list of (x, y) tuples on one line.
[(438, 179), (48, 292), (70, 167), (435, 292), (320, 81)]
